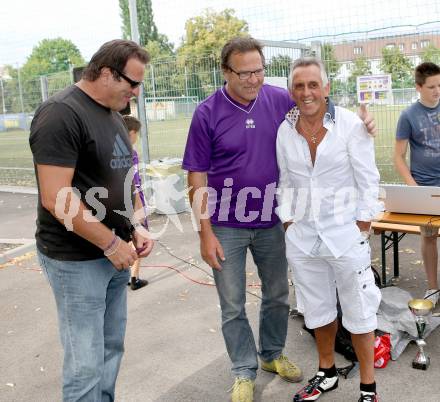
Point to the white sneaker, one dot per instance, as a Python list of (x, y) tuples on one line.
[(431, 295)]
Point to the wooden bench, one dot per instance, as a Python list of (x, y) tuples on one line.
[(392, 239)]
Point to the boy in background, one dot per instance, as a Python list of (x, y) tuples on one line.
[(133, 126), (419, 125)]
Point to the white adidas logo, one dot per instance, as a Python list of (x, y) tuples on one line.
[(122, 154)]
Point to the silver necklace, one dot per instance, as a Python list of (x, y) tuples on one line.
[(313, 136)]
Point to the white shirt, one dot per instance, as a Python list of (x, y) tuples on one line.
[(326, 199)]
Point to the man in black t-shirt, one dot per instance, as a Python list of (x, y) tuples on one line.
[(85, 223)]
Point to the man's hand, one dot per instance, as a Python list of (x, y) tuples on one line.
[(124, 256), (210, 249), (142, 242), (368, 119), (363, 226)]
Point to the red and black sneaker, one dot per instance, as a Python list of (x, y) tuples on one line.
[(316, 386), (368, 397)]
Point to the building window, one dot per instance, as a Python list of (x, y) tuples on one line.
[(414, 45), (357, 50), (402, 47), (390, 46), (424, 43)]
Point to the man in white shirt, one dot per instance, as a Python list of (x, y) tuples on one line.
[(328, 192)]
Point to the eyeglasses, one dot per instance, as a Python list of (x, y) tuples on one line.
[(245, 75), (133, 83)]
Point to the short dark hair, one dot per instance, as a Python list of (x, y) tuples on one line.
[(114, 55), (132, 123), (240, 44), (425, 70)]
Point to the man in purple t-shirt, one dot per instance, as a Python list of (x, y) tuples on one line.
[(231, 149), (230, 156)]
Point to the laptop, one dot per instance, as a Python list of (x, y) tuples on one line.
[(423, 200)]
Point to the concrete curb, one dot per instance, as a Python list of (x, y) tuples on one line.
[(18, 189), (17, 251)]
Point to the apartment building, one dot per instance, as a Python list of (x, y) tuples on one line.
[(411, 46)]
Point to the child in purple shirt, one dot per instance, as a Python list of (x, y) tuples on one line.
[(133, 126)]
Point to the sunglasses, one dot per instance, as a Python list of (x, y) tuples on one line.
[(133, 83)]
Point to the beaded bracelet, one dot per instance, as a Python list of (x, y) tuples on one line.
[(112, 243), (109, 251)]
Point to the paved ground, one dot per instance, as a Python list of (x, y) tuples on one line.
[(17, 213), (174, 348)]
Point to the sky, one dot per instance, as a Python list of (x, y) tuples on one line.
[(89, 23)]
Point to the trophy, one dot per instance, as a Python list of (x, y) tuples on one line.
[(421, 309)]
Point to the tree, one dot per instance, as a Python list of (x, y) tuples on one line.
[(345, 91), (394, 62), (199, 53), (278, 66), (11, 91), (157, 51), (207, 33), (50, 56), (147, 28), (338, 88), (329, 59), (431, 53), (361, 66), (159, 71)]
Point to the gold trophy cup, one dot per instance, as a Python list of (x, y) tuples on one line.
[(421, 309)]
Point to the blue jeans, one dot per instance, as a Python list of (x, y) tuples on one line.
[(268, 251), (91, 299)]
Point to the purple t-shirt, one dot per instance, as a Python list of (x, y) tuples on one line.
[(137, 182), (235, 145)]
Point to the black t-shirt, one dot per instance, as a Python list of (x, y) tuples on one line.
[(72, 130)]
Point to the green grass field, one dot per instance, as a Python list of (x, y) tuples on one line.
[(167, 138), (386, 121)]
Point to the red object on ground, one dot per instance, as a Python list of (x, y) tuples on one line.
[(382, 348)]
